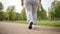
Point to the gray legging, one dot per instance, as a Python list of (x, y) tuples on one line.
[(31, 7)]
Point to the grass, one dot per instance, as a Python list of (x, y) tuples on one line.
[(49, 23), (41, 22), (45, 22)]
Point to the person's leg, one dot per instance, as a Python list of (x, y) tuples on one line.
[(28, 8), (34, 13), (29, 15)]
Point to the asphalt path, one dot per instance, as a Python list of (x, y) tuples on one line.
[(16, 28)]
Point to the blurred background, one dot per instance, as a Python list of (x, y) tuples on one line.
[(49, 10), (12, 10)]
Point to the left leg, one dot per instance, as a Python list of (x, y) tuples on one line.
[(34, 13)]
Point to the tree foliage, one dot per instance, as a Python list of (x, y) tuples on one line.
[(55, 9), (1, 12), (41, 12), (10, 13), (1, 6), (23, 14)]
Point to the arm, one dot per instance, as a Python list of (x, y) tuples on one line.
[(22, 2), (39, 1)]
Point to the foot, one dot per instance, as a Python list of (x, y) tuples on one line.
[(33, 26), (30, 25)]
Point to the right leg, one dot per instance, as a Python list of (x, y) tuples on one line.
[(34, 11), (28, 8)]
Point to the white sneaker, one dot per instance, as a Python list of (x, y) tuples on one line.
[(33, 26)]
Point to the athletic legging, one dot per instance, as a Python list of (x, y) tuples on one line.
[(31, 7)]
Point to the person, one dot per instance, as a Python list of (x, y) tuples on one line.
[(31, 11)]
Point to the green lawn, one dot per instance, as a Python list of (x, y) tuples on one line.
[(41, 22), (49, 23), (45, 22)]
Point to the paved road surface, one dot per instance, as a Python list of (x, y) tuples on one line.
[(16, 28)]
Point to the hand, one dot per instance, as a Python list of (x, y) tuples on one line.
[(22, 2)]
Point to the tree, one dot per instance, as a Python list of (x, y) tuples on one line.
[(23, 14), (41, 12), (18, 16), (1, 6), (1, 12), (10, 13), (55, 9)]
